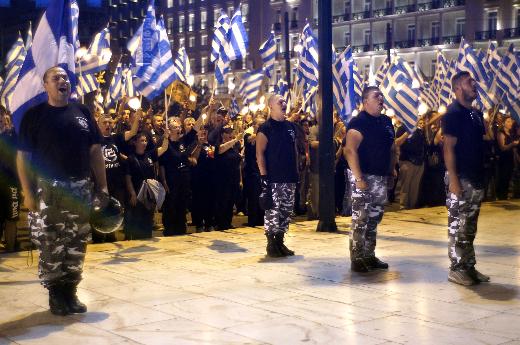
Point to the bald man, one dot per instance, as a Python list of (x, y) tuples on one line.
[(277, 161)]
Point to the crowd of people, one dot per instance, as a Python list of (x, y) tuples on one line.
[(208, 168)]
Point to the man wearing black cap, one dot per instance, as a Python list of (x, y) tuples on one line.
[(216, 125), (59, 147), (277, 160)]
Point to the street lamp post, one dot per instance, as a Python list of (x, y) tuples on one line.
[(287, 51), (327, 212)]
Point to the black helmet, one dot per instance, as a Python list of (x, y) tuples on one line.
[(106, 216)]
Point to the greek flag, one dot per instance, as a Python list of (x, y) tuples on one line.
[(168, 68), (493, 57), (381, 72), (401, 97), (446, 93), (237, 38), (469, 61), (428, 96), (512, 105), (219, 36), (441, 66), (115, 91), (234, 108), (309, 101), (86, 83), (182, 65), (344, 94), (128, 83), (282, 89), (29, 39), (268, 53), (14, 62), (308, 59), (405, 67), (509, 73), (250, 86), (53, 44)]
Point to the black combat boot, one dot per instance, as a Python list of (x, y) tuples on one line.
[(281, 246), (376, 264), (57, 302), (272, 248), (359, 265), (71, 298)]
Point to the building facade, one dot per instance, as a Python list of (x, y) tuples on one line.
[(420, 28)]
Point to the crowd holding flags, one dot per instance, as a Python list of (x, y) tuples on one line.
[(268, 53)]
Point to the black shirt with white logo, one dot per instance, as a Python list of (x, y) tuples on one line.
[(280, 153), (467, 125), (59, 139), (141, 167), (111, 148), (175, 161), (375, 150)]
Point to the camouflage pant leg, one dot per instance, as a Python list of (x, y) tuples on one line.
[(60, 230), (463, 215), (367, 213), (278, 217)]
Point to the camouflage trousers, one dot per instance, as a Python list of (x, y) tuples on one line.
[(277, 218), (462, 224), (367, 213), (60, 229)]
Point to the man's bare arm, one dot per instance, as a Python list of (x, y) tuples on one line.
[(261, 145)]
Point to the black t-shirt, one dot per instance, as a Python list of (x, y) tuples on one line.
[(375, 149), (250, 164), (141, 167), (59, 139), (467, 125), (111, 148), (228, 166), (205, 168), (414, 148), (280, 153), (175, 160), (8, 157)]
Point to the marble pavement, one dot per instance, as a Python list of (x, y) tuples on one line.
[(218, 288)]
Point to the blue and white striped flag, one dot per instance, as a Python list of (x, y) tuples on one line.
[(182, 65), (237, 38), (308, 58), (115, 90), (168, 68), (468, 61), (14, 62), (282, 88), (512, 106), (428, 96), (309, 101), (29, 39), (509, 73), (441, 67), (53, 44), (268, 53), (86, 83), (493, 57), (250, 86), (446, 92), (128, 83), (401, 97), (381, 72), (234, 108), (343, 89), (219, 36)]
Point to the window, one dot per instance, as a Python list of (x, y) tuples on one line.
[(192, 64), (169, 4), (347, 38), (366, 35), (492, 20), (245, 12), (216, 14), (389, 3), (368, 5), (294, 41), (203, 64), (191, 41), (191, 21), (435, 29), (203, 19), (190, 2), (366, 69), (181, 42), (181, 23), (411, 32), (518, 17), (204, 40), (433, 68), (170, 25), (347, 7), (459, 26)]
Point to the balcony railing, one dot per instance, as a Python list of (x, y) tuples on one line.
[(294, 24), (452, 3), (361, 49), (425, 42), (361, 15), (404, 9), (512, 32), (486, 35), (379, 46), (451, 39), (381, 12), (341, 18), (405, 44), (429, 6)]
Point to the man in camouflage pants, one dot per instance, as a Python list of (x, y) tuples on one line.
[(58, 151), (369, 150), (277, 161), (463, 129)]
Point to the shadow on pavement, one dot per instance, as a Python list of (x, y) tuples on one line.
[(226, 247)]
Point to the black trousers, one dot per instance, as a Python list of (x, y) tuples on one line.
[(176, 204), (505, 172), (203, 201), (252, 190), (138, 222), (226, 196)]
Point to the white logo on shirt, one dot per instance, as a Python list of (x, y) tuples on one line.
[(293, 135), (82, 122)]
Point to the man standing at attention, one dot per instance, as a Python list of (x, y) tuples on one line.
[(463, 129), (370, 153), (277, 162), (58, 150)]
